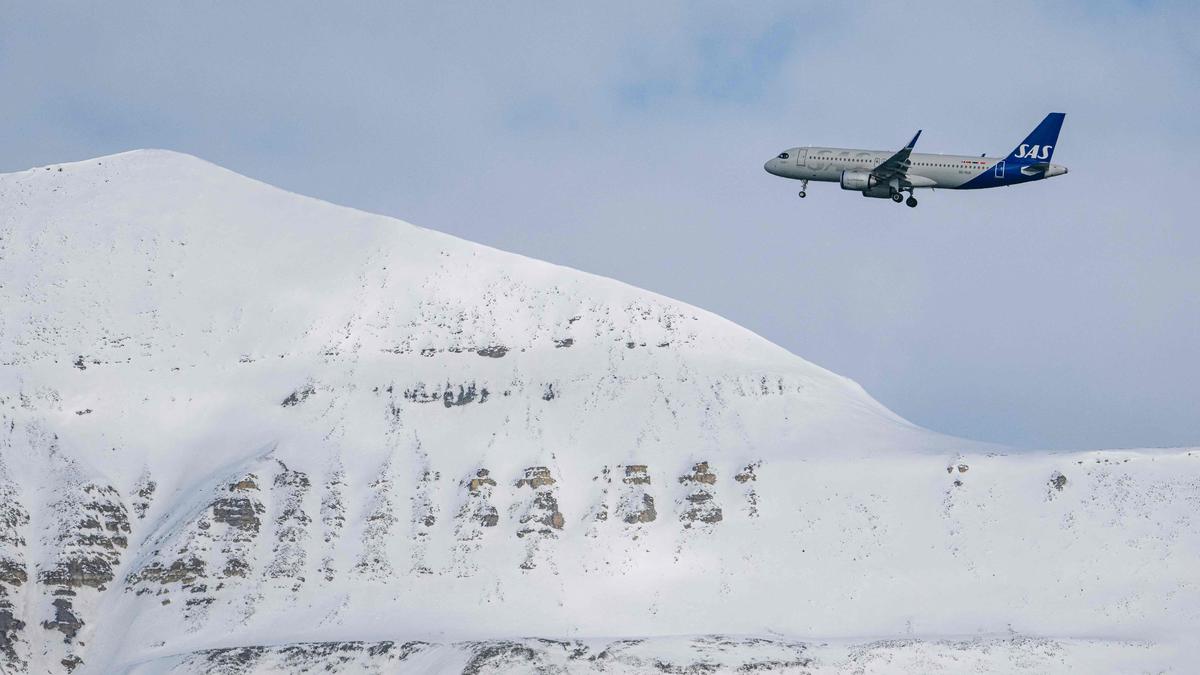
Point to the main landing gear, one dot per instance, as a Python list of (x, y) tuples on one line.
[(803, 188), (899, 197)]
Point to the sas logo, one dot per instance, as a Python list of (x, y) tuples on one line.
[(1034, 152)]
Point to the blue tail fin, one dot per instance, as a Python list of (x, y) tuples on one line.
[(1038, 146)]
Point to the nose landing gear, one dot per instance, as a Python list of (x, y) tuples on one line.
[(803, 188)]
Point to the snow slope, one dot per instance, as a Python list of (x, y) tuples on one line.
[(235, 417)]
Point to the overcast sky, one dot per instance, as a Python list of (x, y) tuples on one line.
[(628, 140)]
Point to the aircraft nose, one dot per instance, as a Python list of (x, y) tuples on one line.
[(769, 167)]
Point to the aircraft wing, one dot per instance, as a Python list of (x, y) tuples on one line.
[(897, 165)]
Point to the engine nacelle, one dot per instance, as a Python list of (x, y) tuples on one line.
[(858, 181), (879, 192)]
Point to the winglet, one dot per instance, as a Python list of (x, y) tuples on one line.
[(897, 164)]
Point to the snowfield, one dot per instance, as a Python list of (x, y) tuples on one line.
[(242, 430)]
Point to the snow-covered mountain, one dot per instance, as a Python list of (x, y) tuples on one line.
[(243, 430)]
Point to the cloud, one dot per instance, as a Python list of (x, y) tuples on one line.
[(628, 139)]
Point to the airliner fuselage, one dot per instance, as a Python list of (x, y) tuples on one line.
[(888, 174)]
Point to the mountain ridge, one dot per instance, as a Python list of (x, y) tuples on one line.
[(235, 418)]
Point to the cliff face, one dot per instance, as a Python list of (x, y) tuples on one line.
[(242, 429)]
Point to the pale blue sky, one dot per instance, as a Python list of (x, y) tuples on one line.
[(627, 139)]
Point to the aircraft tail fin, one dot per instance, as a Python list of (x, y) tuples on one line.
[(1038, 146)]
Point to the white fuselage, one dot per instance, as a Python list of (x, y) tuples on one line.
[(926, 170)]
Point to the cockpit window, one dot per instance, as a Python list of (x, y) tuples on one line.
[(783, 155)]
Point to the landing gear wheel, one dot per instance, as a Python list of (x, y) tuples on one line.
[(897, 197), (803, 194), (803, 188), (911, 201)]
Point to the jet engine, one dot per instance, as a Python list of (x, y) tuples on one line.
[(868, 185), (879, 192), (858, 181)]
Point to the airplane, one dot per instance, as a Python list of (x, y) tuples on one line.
[(884, 174)]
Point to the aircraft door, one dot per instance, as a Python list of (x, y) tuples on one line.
[(801, 156), (1000, 169)]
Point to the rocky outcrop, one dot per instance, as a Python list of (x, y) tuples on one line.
[(1058, 481), (90, 538), (299, 396), (538, 503), (185, 571), (333, 518), (464, 395), (696, 654), (328, 657), (143, 495), (450, 395), (699, 503), (11, 644), (636, 503), (636, 474), (12, 568), (640, 510), (213, 551), (236, 550), (289, 555), (381, 518), (541, 516), (64, 620), (597, 514), (474, 517), (478, 508), (424, 516), (241, 510), (86, 531), (747, 478), (14, 521), (241, 513), (747, 474)]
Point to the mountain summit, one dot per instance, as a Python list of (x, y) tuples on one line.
[(248, 430)]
